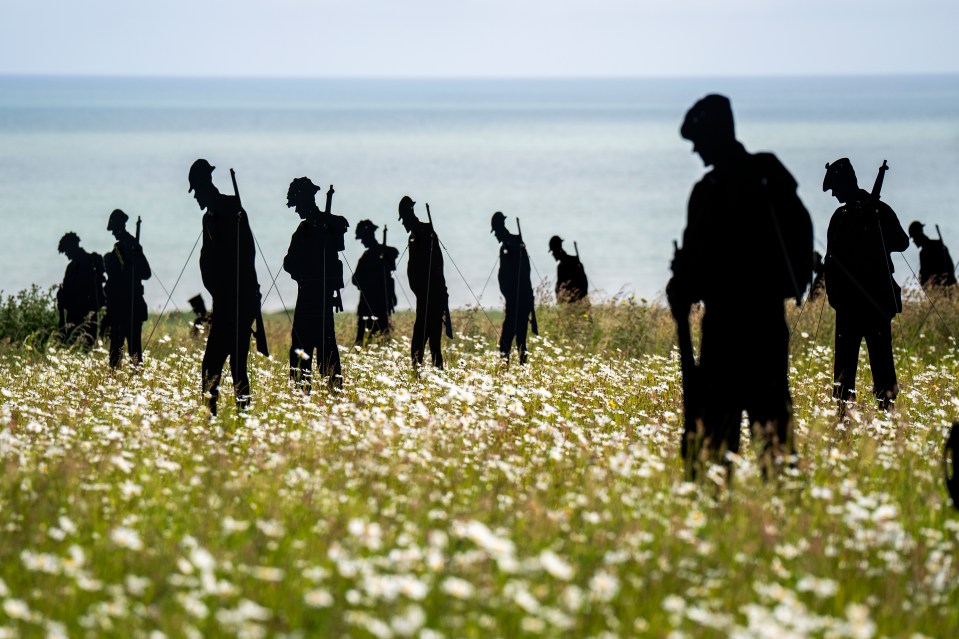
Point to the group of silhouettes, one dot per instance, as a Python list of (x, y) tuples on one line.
[(747, 248), (227, 257)]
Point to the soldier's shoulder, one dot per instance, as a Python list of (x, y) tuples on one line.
[(391, 252), (773, 170)]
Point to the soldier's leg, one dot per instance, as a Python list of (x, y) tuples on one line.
[(239, 355), (848, 339), (119, 330), (301, 353), (135, 343), (214, 357), (418, 341), (721, 425), (435, 330), (879, 344), (508, 332), (330, 354), (522, 329), (362, 321)]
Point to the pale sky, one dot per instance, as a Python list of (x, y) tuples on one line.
[(473, 38)]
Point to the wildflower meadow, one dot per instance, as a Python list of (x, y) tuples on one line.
[(484, 500)]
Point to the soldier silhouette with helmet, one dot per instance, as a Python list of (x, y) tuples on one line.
[(428, 283), (374, 279), (746, 200), (313, 261), (514, 284), (126, 268), (863, 233), (571, 283), (227, 266), (936, 268), (81, 295)]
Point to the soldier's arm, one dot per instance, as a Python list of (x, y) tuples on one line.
[(895, 238)]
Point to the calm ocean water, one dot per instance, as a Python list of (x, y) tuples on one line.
[(595, 161)]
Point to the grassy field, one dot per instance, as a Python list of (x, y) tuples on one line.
[(480, 501)]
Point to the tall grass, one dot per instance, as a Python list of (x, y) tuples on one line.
[(481, 501)]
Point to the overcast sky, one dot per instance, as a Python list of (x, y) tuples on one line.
[(401, 38)]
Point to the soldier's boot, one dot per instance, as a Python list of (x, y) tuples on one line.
[(843, 397), (887, 397)]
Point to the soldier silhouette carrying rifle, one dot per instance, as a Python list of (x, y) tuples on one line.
[(313, 262), (863, 233), (571, 283), (745, 200), (227, 267), (374, 279), (81, 294), (514, 284), (936, 268), (126, 268), (428, 283)]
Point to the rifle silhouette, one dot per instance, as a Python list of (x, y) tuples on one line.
[(877, 185), (259, 333), (692, 401), (447, 320), (337, 296), (534, 325)]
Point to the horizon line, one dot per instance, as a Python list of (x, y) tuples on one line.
[(518, 78)]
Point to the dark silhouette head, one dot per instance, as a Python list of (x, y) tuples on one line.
[(556, 247), (198, 305), (69, 244), (301, 196), (407, 216), (366, 232), (709, 126), (917, 233), (841, 180), (498, 225), (117, 222), (201, 183)]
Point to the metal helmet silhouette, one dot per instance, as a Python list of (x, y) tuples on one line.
[(406, 206), (201, 172), (117, 220), (710, 118), (365, 228), (556, 243), (837, 173), (916, 229), (302, 188), (498, 221)]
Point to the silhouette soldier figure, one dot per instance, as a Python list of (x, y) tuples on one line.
[(81, 294), (862, 235), (374, 279), (126, 268), (203, 316), (313, 262), (747, 247), (428, 283), (514, 284), (571, 283), (936, 267), (227, 267)]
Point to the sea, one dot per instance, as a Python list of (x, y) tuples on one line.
[(598, 162)]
